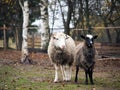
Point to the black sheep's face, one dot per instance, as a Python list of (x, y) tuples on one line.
[(89, 40)]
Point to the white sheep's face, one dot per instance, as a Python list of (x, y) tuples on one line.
[(59, 40), (89, 39)]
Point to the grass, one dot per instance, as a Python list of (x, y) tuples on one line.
[(32, 77)]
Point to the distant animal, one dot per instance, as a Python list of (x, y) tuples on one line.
[(85, 57), (61, 53)]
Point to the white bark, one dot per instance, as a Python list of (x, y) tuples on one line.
[(44, 24), (25, 10)]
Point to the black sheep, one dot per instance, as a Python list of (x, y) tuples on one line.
[(85, 57)]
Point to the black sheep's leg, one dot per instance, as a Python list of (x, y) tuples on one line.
[(91, 76), (76, 76), (86, 75)]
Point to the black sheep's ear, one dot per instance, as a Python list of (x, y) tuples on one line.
[(95, 36), (83, 37)]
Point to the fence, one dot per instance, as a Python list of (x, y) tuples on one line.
[(107, 41), (108, 34), (104, 46), (104, 49), (4, 28), (34, 41), (108, 49)]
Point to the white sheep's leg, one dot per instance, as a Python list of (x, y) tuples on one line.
[(66, 71), (56, 73), (63, 74), (70, 73)]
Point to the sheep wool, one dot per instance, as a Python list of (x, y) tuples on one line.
[(61, 51), (85, 55)]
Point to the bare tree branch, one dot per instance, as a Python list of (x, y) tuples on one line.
[(21, 5), (62, 13)]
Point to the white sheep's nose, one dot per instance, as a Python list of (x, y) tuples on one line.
[(63, 47)]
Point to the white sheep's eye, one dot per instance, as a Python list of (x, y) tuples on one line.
[(55, 38)]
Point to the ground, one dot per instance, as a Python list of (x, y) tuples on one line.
[(40, 76)]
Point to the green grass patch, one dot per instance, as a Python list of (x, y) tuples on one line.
[(28, 77)]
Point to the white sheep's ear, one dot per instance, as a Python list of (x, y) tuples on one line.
[(66, 36), (95, 36), (83, 37)]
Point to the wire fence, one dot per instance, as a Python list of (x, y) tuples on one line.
[(108, 34)]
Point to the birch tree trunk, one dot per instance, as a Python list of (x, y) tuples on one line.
[(44, 24), (25, 10)]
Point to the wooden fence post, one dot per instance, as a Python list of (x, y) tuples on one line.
[(4, 42), (32, 40), (17, 38)]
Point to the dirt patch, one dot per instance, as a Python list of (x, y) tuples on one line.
[(42, 59), (108, 64), (41, 75)]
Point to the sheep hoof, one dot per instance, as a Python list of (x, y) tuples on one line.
[(55, 81), (67, 80), (92, 83), (86, 83), (76, 82)]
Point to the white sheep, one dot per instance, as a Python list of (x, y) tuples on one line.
[(61, 53), (85, 57)]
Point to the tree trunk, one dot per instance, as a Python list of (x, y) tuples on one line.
[(117, 36), (20, 38), (17, 38), (117, 40), (25, 10), (44, 24), (108, 35), (69, 16), (5, 41), (107, 31), (87, 16), (81, 13), (66, 22)]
